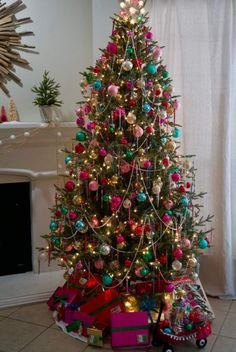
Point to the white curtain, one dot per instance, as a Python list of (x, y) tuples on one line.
[(200, 52)]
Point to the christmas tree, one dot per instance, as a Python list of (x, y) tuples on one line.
[(128, 210)]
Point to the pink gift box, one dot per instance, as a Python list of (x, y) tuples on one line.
[(129, 329)]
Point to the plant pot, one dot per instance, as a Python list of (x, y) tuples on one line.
[(46, 112)]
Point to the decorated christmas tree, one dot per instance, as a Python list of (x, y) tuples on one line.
[(128, 213)]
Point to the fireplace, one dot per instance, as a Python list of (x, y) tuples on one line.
[(15, 237)]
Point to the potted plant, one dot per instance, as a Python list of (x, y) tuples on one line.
[(47, 96)]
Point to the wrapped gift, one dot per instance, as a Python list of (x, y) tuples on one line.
[(77, 320), (129, 329), (97, 333), (83, 284), (102, 306), (62, 295)]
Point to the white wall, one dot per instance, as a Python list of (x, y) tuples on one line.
[(102, 10), (63, 37)]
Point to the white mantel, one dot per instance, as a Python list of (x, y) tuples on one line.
[(34, 157)]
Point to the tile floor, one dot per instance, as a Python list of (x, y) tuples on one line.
[(30, 328)]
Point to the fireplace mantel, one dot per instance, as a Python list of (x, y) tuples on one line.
[(34, 156)]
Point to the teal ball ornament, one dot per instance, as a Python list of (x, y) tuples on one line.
[(188, 326), (129, 50), (64, 210), (107, 280), (202, 244), (141, 197), (165, 74), (68, 159), (106, 198), (80, 136), (176, 132), (79, 225), (163, 140), (147, 256), (151, 69), (144, 271), (129, 154), (53, 226), (146, 107), (184, 201), (56, 241), (167, 331), (97, 84)]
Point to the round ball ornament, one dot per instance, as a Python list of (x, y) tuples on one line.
[(131, 118), (138, 131), (79, 148), (144, 272), (112, 90), (146, 107), (165, 74), (127, 65), (186, 243), (176, 132), (129, 50), (192, 262), (99, 264), (69, 186), (127, 203), (128, 263), (77, 200), (64, 210), (112, 48), (170, 146), (56, 241), (53, 226), (184, 201), (148, 256), (106, 198), (108, 159), (151, 69), (72, 215), (107, 280), (93, 186), (80, 136), (193, 276), (168, 204), (166, 218), (102, 152), (188, 326), (141, 197), (149, 36), (177, 253), (202, 244), (156, 52), (83, 175), (105, 249), (68, 159), (167, 331), (176, 265), (120, 239), (80, 225), (175, 177), (129, 154), (97, 84), (169, 288)]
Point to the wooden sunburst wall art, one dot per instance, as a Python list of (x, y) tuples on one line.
[(11, 43)]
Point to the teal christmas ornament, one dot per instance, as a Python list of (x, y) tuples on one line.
[(56, 241), (151, 69), (169, 212), (107, 280), (184, 201), (165, 74), (167, 331), (53, 226), (144, 271), (147, 256), (79, 225), (163, 140), (129, 50), (176, 132), (64, 210), (141, 197), (97, 84), (80, 136), (203, 244), (129, 154), (146, 107), (68, 159)]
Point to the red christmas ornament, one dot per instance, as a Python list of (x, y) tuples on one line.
[(104, 181), (139, 230), (166, 161), (149, 129), (84, 175), (151, 113), (162, 259), (188, 184), (137, 62), (147, 228), (175, 177), (165, 105), (112, 48), (128, 263), (58, 214), (158, 92), (182, 189), (96, 69), (69, 186), (123, 141), (79, 148), (132, 102), (177, 253)]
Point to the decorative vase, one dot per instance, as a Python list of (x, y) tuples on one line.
[(46, 112)]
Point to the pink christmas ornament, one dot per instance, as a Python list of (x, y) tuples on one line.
[(138, 131), (186, 243), (91, 125), (120, 239), (166, 218), (93, 185), (72, 215), (87, 108), (112, 48), (79, 112), (99, 264), (176, 105), (169, 288), (83, 175), (102, 152), (79, 265), (125, 168), (147, 164), (168, 204), (177, 253), (80, 121), (129, 85), (175, 177), (149, 36), (137, 271), (112, 90), (156, 52)]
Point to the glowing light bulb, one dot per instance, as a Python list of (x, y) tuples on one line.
[(132, 10), (142, 11), (122, 5), (141, 3)]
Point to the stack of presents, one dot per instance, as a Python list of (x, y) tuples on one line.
[(84, 310)]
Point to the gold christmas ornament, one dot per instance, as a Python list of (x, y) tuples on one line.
[(141, 151), (93, 155), (170, 146), (131, 118), (130, 302), (77, 200), (114, 180), (108, 159)]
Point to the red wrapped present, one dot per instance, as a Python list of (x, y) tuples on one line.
[(83, 284), (62, 295), (129, 329), (101, 306), (78, 320)]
